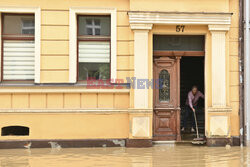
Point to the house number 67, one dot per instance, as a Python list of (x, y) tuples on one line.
[(180, 28)]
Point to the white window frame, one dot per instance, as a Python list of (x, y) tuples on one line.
[(73, 12), (37, 12)]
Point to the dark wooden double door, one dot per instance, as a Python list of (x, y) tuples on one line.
[(166, 118)]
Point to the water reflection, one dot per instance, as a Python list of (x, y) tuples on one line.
[(157, 156)]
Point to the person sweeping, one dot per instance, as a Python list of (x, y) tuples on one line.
[(191, 106)]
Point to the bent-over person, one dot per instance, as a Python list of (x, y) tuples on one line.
[(191, 106)]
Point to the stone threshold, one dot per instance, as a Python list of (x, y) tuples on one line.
[(173, 142)]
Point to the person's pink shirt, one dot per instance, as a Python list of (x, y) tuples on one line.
[(192, 99)]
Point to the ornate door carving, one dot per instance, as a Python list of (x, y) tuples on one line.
[(166, 99)]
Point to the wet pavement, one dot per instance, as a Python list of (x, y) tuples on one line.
[(157, 156)]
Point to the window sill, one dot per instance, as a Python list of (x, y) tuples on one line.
[(16, 83)]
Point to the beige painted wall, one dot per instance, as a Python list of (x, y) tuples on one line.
[(55, 48), (180, 5), (68, 125), (233, 66), (64, 101)]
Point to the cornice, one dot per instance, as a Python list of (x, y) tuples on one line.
[(188, 18)]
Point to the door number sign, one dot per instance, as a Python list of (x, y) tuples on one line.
[(180, 28)]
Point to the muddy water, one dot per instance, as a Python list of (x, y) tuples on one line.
[(157, 156)]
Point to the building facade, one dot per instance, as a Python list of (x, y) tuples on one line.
[(85, 72)]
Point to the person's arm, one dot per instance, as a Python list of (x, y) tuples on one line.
[(190, 101), (202, 95)]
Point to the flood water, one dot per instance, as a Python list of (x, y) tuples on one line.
[(157, 156)]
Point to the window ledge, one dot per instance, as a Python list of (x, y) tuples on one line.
[(3, 84)]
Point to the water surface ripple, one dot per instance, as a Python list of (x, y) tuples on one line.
[(157, 156)]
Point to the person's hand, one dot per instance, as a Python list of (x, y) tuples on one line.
[(193, 109)]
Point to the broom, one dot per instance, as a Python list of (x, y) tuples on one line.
[(197, 140)]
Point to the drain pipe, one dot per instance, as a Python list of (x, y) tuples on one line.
[(241, 67), (246, 73)]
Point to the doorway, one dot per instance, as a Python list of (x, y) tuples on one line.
[(192, 74), (178, 64)]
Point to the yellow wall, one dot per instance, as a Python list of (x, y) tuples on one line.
[(55, 69), (68, 125), (55, 40), (55, 48), (180, 5), (64, 101), (233, 66)]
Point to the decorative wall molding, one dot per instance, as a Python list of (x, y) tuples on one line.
[(141, 26), (139, 17), (141, 126), (218, 27), (219, 109), (143, 110)]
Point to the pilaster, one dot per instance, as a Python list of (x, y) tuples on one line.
[(140, 116), (218, 33), (140, 63), (218, 115)]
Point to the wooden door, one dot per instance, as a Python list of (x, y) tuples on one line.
[(166, 123)]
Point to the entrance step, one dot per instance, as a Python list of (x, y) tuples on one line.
[(201, 130), (165, 142), (191, 136), (173, 143)]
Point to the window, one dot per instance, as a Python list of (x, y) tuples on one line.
[(15, 131), (93, 47), (18, 47), (164, 83), (179, 42)]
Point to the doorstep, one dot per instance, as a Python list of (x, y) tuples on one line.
[(173, 142)]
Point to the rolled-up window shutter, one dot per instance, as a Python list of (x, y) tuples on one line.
[(94, 52), (18, 60)]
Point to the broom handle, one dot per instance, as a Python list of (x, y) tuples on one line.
[(196, 125)]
